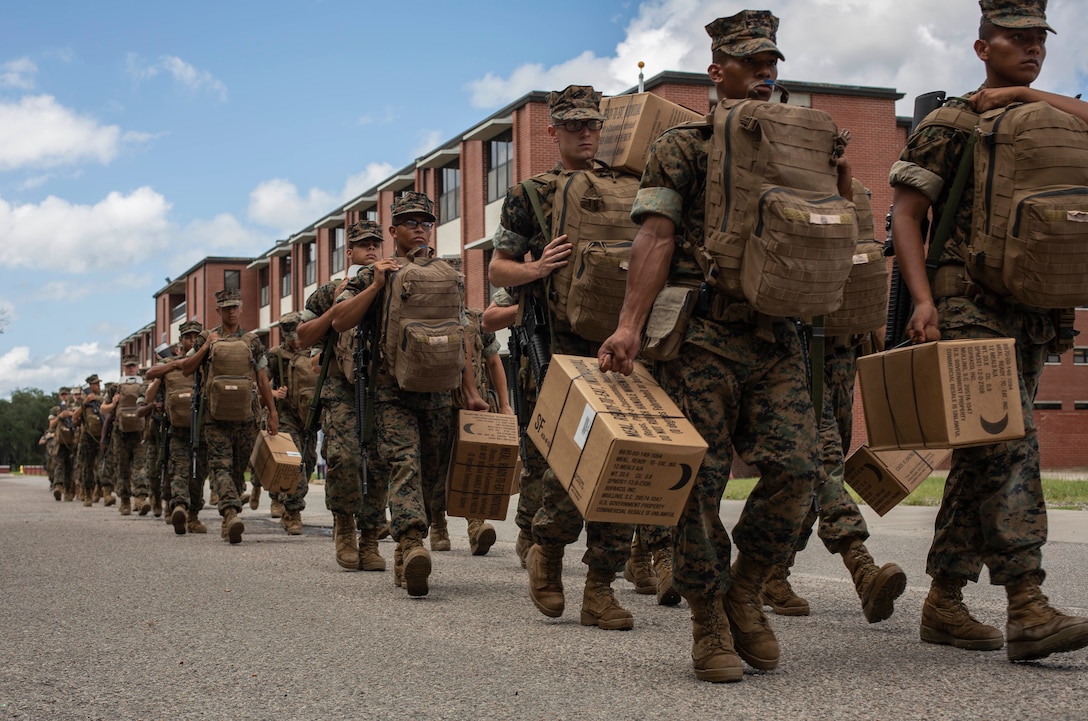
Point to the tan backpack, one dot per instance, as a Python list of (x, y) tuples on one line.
[(230, 381), (92, 422), (593, 208), (1029, 234), (128, 396), (778, 234), (865, 296), (301, 382), (179, 398), (422, 336)]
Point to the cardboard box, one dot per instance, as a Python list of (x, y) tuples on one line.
[(945, 394), (484, 466), (884, 478), (276, 462), (618, 444), (632, 123)]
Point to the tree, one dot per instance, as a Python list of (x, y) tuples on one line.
[(23, 420)]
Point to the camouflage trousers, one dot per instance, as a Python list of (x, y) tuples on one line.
[(414, 440), (751, 394), (64, 472), (344, 468), (832, 504), (131, 474), (88, 462), (655, 536), (993, 511), (532, 480), (185, 489), (296, 501), (229, 445)]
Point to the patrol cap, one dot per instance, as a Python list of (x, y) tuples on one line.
[(228, 297), (1015, 13), (130, 360), (746, 33), (65, 389), (91, 379), (190, 326), (413, 202), (575, 102), (289, 325), (365, 230)]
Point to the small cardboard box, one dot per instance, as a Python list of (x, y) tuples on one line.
[(944, 394), (484, 465), (276, 462), (884, 478), (618, 444), (632, 123)]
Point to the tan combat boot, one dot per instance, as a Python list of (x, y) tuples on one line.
[(126, 506), (522, 546), (88, 499), (57, 493), (343, 536), (440, 534), (383, 532), (193, 524), (213, 498), (779, 594), (369, 558), (292, 522), (545, 565), (108, 499), (179, 517), (233, 528), (946, 620), (712, 653), (276, 509), (417, 564), (877, 587), (637, 570), (255, 498), (156, 508), (667, 595), (1035, 629), (599, 605), (752, 635), (96, 496), (481, 536), (143, 506)]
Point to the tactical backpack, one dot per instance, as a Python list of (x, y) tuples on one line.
[(128, 395), (179, 398), (301, 382), (865, 296), (92, 421), (230, 383), (778, 234), (422, 337), (593, 208)]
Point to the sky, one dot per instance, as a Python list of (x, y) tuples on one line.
[(138, 137)]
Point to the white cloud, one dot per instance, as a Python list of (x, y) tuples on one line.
[(131, 227), (37, 131), (278, 204), (19, 368), (181, 71), (18, 74)]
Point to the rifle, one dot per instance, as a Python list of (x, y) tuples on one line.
[(900, 306), (309, 428), (530, 339), (363, 355), (107, 433), (196, 414)]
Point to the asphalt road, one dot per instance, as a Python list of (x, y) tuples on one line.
[(112, 617)]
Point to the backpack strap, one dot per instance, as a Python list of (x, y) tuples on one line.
[(534, 200), (944, 225)]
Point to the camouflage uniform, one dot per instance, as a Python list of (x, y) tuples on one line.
[(127, 461), (278, 360), (343, 458), (742, 382), (63, 455), (557, 521), (88, 450)]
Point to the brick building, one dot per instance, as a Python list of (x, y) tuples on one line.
[(467, 177)]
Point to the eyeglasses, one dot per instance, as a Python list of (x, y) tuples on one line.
[(412, 224), (575, 126)]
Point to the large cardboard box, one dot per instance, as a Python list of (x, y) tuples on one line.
[(945, 394), (632, 123), (618, 444), (484, 465), (884, 478), (276, 462)]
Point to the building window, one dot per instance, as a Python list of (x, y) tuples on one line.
[(232, 279), (285, 276), (1080, 405), (336, 250), (1053, 359), (1080, 356), (1047, 405), (372, 214), (309, 263), (449, 196), (178, 314), (262, 275), (500, 165)]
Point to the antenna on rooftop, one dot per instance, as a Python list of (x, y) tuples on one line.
[(641, 85)]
